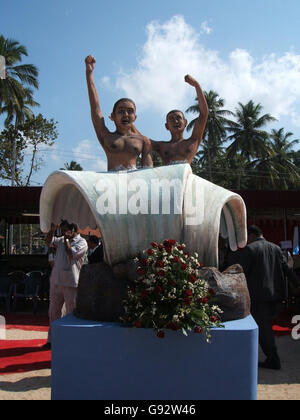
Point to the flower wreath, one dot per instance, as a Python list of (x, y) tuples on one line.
[(169, 292)]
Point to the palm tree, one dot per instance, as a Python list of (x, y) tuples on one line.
[(72, 166), (215, 132), (17, 76), (248, 137), (283, 154), (249, 141), (276, 169), (296, 158), (15, 94)]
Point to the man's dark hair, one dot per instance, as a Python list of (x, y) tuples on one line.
[(122, 100), (174, 110), (94, 239), (64, 223), (74, 227), (255, 230), (70, 226)]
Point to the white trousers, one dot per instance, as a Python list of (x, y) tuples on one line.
[(62, 302)]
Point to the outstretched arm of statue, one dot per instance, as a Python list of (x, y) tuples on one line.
[(147, 161), (96, 113), (200, 124)]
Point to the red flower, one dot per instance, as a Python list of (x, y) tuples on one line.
[(183, 266), (144, 294), (150, 251), (203, 300), (158, 290), (200, 264), (154, 244), (168, 249), (168, 243), (160, 247), (188, 254), (176, 260), (193, 278), (213, 318), (188, 292), (198, 330), (180, 248), (187, 301), (138, 324), (161, 273), (161, 334), (173, 326), (145, 262), (159, 263), (212, 292), (141, 271)]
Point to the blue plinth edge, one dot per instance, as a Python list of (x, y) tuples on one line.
[(108, 361)]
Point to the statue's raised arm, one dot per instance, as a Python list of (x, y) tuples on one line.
[(126, 144), (178, 149), (96, 113), (201, 121)]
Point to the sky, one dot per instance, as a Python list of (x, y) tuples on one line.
[(243, 50)]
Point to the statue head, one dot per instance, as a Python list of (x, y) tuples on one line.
[(124, 113), (175, 121)]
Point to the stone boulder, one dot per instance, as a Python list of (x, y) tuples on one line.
[(102, 289), (231, 291), (100, 294)]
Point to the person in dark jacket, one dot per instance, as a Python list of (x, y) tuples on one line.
[(95, 250), (266, 271)]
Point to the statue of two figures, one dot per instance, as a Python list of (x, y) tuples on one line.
[(133, 208)]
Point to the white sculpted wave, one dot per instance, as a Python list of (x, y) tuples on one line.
[(133, 208)]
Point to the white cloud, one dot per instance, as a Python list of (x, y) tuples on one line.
[(173, 49), (205, 28), (106, 82), (84, 154)]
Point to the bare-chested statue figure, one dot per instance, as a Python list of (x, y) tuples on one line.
[(126, 144), (178, 149)]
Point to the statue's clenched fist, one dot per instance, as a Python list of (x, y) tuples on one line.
[(191, 81), (90, 63)]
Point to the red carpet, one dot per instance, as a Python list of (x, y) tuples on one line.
[(282, 325), (23, 356)]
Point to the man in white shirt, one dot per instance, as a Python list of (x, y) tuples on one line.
[(71, 249)]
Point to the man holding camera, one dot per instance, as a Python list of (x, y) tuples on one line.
[(71, 249)]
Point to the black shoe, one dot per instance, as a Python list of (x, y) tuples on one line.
[(270, 364), (47, 347)]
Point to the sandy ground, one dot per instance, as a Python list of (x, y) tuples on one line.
[(33, 385), (283, 384), (272, 385)]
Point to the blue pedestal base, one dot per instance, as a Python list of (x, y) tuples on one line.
[(107, 361)]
